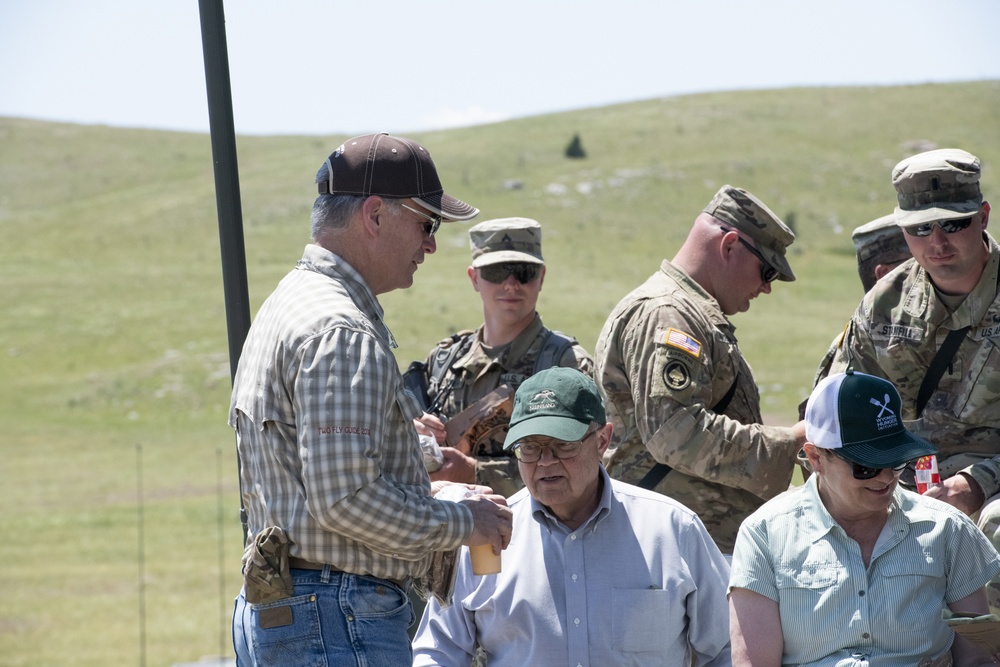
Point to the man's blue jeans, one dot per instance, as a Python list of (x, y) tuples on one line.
[(335, 619)]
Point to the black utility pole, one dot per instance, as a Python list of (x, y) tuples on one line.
[(227, 185)]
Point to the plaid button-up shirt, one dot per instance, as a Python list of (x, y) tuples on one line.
[(328, 451)]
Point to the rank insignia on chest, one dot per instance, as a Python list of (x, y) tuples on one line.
[(682, 341)]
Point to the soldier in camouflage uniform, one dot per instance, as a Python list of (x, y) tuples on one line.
[(880, 247), (952, 283), (507, 270), (679, 391)]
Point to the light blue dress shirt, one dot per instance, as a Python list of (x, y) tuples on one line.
[(639, 583), (833, 610)]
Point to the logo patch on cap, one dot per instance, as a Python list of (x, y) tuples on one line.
[(543, 400), (682, 341), (883, 420)]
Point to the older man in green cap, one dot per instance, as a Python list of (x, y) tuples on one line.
[(683, 400), (598, 572), (932, 328)]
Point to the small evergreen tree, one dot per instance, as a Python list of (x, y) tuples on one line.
[(575, 148)]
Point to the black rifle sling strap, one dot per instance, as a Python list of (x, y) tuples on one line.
[(660, 470), (941, 361)]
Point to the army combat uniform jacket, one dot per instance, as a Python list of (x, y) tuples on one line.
[(896, 332), (666, 356), (475, 374)]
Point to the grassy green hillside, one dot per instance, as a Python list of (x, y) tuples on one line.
[(113, 335)]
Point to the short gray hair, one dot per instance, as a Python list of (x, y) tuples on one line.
[(335, 211)]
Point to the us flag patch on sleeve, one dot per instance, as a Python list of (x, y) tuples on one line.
[(681, 340)]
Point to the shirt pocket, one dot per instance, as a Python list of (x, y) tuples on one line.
[(640, 617), (803, 592), (911, 591), (978, 401)]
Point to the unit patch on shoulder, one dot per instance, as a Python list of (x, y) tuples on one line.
[(682, 341), (676, 375)]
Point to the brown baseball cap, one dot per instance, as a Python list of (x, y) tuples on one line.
[(391, 167), (936, 185), (506, 240), (738, 208)]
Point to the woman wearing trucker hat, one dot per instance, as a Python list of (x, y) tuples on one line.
[(850, 568)]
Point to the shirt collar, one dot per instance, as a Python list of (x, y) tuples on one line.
[(543, 516), (819, 522), (320, 260), (924, 303), (712, 309)]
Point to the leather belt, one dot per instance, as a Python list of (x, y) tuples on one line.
[(300, 564)]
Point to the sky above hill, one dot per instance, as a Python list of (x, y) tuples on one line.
[(335, 67)]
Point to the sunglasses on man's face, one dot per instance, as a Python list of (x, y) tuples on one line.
[(433, 222), (864, 472), (947, 226), (497, 273), (767, 272)]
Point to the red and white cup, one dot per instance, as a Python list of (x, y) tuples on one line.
[(927, 474)]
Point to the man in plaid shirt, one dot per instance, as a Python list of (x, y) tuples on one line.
[(339, 506)]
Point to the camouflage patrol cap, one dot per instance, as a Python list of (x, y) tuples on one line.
[(739, 208), (506, 240), (881, 237), (941, 184)]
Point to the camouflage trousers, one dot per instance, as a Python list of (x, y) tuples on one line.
[(989, 522)]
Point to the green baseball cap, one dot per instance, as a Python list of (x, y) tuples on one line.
[(738, 208), (559, 403), (860, 415)]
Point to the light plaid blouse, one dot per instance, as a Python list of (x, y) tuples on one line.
[(327, 447)]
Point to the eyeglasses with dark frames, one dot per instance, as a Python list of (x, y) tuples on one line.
[(531, 452), (864, 472), (432, 224), (947, 226), (767, 272), (497, 273)]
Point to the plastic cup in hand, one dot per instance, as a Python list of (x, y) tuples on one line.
[(484, 561)]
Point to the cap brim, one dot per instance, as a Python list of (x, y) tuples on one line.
[(888, 452), (934, 213), (448, 207), (779, 262), (560, 428), (505, 256)]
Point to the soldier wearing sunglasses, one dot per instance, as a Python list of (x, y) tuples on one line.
[(683, 400), (932, 327), (472, 375), (849, 568)]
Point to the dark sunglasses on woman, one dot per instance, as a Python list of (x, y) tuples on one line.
[(497, 273)]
